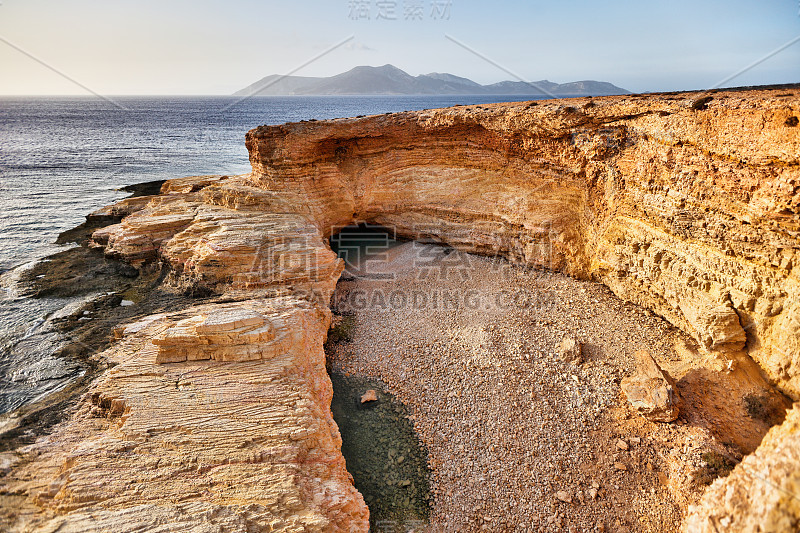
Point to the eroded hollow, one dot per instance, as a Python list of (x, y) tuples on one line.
[(518, 437), (383, 454)]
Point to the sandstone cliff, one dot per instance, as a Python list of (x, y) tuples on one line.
[(690, 212), (687, 207)]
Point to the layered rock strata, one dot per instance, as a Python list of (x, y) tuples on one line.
[(220, 416), (690, 212), (230, 444)]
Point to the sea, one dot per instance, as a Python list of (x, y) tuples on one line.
[(61, 158)]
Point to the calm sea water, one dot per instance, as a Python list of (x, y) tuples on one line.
[(61, 158)]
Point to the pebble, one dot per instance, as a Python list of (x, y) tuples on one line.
[(564, 496)]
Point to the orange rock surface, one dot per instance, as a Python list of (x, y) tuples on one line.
[(220, 417)]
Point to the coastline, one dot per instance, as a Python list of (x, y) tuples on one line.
[(96, 285), (557, 185)]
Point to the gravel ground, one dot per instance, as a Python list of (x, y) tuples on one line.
[(519, 439)]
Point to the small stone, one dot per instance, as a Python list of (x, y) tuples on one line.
[(405, 483), (125, 303), (592, 493), (621, 467), (622, 445), (564, 496), (701, 104), (369, 396), (634, 440), (650, 391), (570, 350)]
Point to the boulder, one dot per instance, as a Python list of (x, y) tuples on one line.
[(650, 391)]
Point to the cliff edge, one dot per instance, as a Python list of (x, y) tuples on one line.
[(686, 204)]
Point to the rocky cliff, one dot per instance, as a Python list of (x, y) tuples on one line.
[(687, 204), (689, 209)]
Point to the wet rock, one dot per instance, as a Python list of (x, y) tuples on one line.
[(650, 391)]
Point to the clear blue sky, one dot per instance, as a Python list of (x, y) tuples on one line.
[(217, 47)]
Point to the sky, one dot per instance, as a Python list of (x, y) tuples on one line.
[(199, 47)]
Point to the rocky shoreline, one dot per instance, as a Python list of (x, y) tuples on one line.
[(82, 272), (213, 408)]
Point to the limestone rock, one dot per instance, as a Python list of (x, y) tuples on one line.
[(718, 327), (369, 396), (690, 212), (760, 495), (200, 444), (233, 334), (650, 391), (570, 350)]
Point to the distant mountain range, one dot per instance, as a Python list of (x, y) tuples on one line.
[(389, 79)]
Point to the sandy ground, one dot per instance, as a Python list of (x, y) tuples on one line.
[(519, 439)]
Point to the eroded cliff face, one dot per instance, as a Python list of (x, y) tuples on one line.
[(693, 213), (690, 209), (239, 441)]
